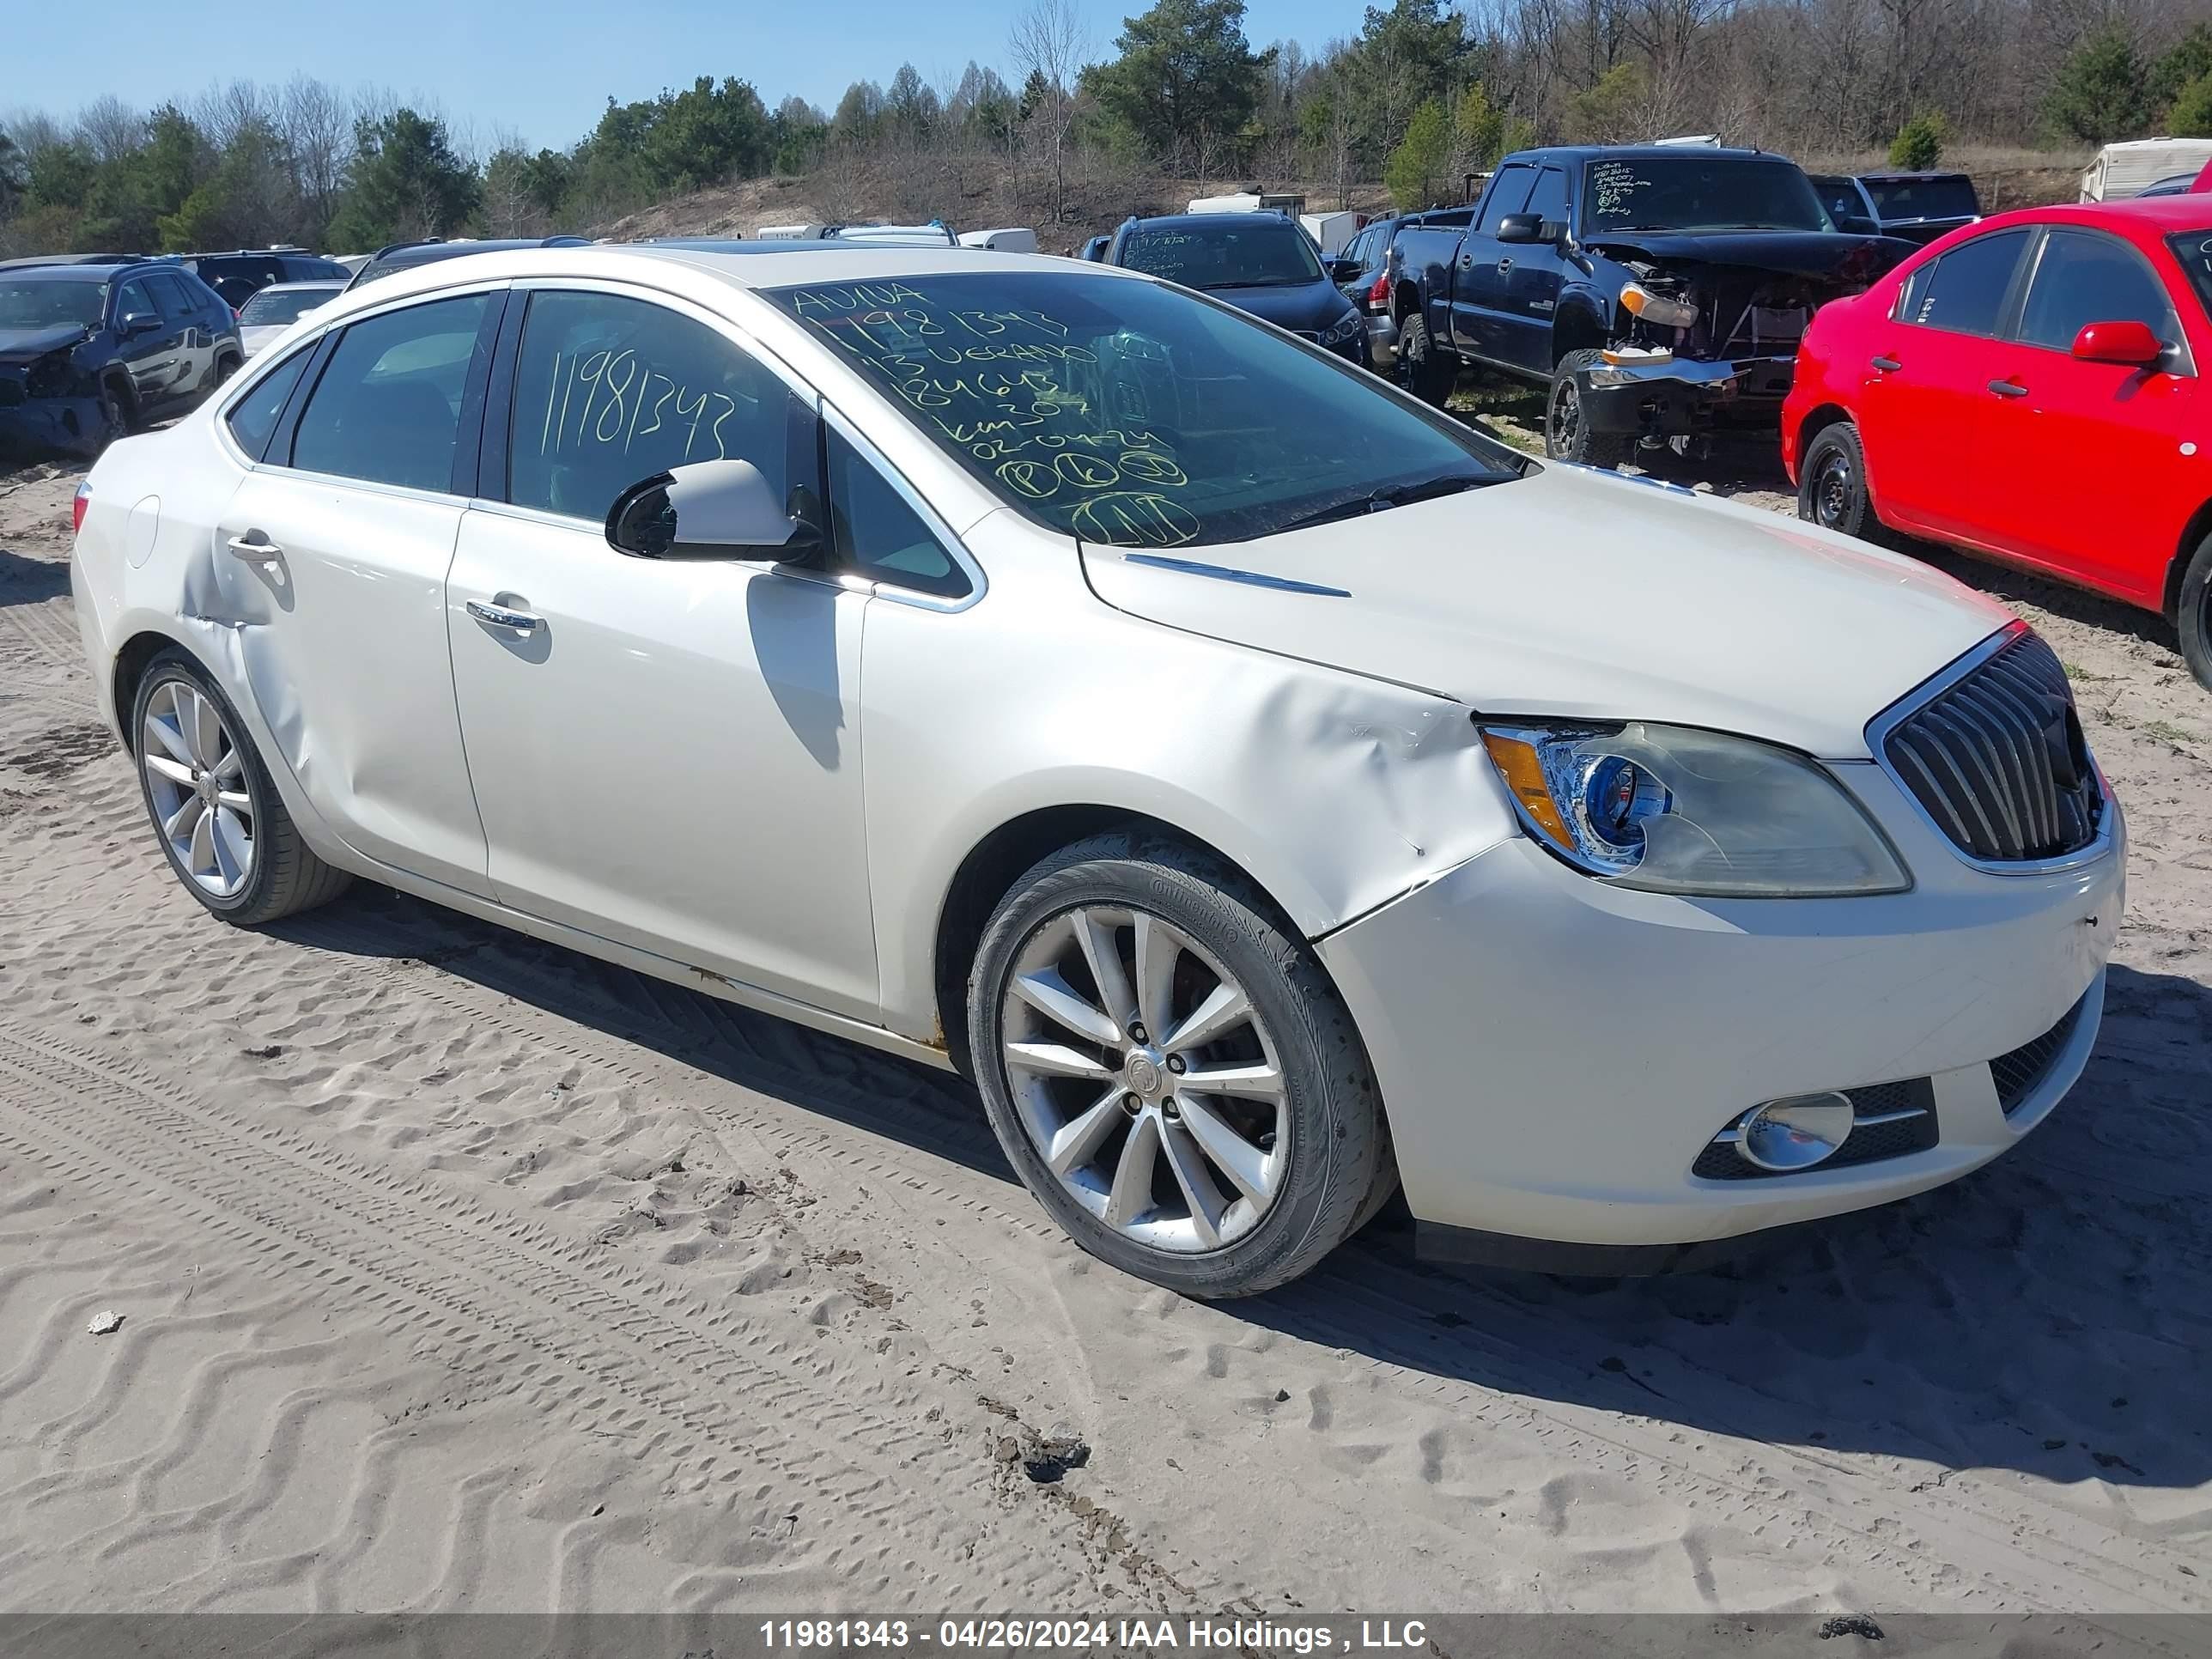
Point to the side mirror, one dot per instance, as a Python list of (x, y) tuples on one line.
[(1525, 227), (140, 322), (1342, 270), (720, 509), (2130, 343)]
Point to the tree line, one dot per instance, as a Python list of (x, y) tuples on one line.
[(1419, 95)]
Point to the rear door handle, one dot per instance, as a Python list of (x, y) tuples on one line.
[(1504, 266), (500, 616), (1466, 262), (2008, 388), (1886, 365), (260, 552)]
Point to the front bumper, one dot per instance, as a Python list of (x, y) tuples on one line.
[(50, 426), (1675, 396), (1554, 1053)]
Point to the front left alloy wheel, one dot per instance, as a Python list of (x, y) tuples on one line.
[(214, 810), (1171, 1074)]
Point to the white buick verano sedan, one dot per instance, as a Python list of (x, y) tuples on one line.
[(1268, 789)]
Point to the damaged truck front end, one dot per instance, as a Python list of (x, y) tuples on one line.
[(1705, 327), (50, 399)]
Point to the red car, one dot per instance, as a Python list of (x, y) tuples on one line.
[(2028, 388)]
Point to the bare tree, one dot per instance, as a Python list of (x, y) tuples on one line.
[(109, 128), (1049, 43), (318, 128)]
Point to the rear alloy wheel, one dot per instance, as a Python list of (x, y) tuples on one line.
[(2193, 614), (1567, 436), (215, 808), (1173, 1076)]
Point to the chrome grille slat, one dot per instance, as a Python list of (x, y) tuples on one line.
[(1989, 754)]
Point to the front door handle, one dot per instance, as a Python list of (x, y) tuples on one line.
[(261, 551), (1466, 262), (500, 616), (1885, 365), (2008, 388)]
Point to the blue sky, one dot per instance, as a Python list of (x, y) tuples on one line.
[(543, 70)]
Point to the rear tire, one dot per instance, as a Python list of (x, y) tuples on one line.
[(1312, 1157), (1567, 436), (257, 866), (1421, 369), (1831, 485), (2193, 614)]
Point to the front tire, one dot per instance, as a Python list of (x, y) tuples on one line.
[(1171, 1072), (1567, 436), (216, 811), (2193, 614), (1422, 370)]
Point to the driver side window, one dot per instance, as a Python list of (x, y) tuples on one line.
[(610, 390), (135, 301)]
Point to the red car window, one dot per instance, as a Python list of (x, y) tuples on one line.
[(2084, 277), (1963, 292)]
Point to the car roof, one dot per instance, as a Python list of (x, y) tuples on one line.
[(744, 244), (2136, 217), (1907, 177), (1201, 221), (657, 265), (84, 273), (1651, 152)]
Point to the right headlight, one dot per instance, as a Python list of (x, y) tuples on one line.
[(1674, 809)]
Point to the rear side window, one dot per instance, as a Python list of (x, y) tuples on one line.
[(609, 390), (1963, 292), (876, 534), (2083, 278), (388, 406), (1507, 192), (254, 416)]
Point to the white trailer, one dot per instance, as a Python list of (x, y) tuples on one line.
[(1249, 201), (1333, 232), (1010, 239), (2122, 170)]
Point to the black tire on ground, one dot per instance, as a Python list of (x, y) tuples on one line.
[(287, 876), (1567, 436), (2193, 614), (227, 367), (1831, 485), (1340, 1170), (118, 415), (1422, 369)]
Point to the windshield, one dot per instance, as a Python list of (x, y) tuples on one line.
[(274, 307), (30, 303), (1269, 252), (1951, 197), (2194, 249), (1123, 413), (1697, 194)]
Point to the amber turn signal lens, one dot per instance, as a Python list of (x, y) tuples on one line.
[(1523, 772)]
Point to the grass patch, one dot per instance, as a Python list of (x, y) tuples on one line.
[(2167, 731)]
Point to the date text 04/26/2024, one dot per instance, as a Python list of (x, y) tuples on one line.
[(1002, 1635)]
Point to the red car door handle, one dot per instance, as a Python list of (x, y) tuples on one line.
[(2008, 388), (1886, 365)]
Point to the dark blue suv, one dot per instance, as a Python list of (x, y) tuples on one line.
[(1261, 263), (90, 352)]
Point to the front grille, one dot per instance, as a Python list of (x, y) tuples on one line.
[(1871, 1140), (2019, 1073), (1998, 761)]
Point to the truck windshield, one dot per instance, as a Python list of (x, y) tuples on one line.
[(1121, 411), (30, 303), (1685, 192), (1947, 196), (1267, 253)]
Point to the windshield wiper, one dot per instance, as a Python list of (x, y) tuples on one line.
[(1378, 500)]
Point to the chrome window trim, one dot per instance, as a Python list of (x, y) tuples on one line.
[(933, 521), (241, 386), (1878, 731)]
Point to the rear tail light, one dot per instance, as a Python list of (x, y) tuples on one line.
[(77, 506), (1380, 293)]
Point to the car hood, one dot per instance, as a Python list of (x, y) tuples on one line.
[(1309, 306), (1583, 595), (1844, 255), (19, 345)]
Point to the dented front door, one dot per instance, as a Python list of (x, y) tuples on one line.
[(347, 660)]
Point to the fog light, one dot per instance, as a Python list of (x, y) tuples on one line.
[(1794, 1133)]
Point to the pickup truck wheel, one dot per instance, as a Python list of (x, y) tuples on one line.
[(1567, 436), (2193, 616), (1831, 485), (1422, 370)]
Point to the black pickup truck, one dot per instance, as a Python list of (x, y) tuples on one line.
[(1659, 291)]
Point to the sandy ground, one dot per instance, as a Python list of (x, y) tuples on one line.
[(459, 1271)]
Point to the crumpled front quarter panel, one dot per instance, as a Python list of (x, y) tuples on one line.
[(1336, 793)]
